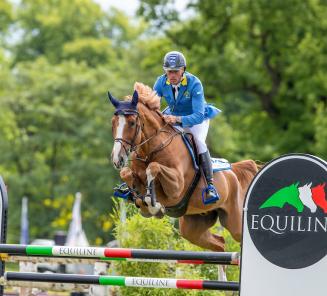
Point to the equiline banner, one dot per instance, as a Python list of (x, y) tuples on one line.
[(284, 248)]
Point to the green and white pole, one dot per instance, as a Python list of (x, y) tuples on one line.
[(188, 257), (141, 282)]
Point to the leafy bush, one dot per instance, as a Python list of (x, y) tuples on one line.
[(138, 232)]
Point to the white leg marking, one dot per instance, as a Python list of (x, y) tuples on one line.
[(149, 178), (153, 210), (117, 145)]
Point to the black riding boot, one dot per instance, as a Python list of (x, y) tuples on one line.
[(211, 194)]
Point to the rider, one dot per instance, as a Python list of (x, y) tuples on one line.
[(184, 95)]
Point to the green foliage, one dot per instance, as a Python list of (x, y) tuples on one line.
[(321, 130), (267, 75), (138, 232), (48, 25), (52, 114), (159, 12), (6, 15), (91, 50)]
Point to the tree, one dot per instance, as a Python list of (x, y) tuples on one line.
[(55, 125), (266, 75), (6, 16)]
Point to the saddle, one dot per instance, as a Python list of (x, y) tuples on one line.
[(218, 164)]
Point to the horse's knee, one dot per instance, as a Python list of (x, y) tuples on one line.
[(126, 174), (153, 169)]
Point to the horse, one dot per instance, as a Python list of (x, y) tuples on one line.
[(162, 171)]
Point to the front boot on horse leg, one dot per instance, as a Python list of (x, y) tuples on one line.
[(155, 208), (209, 194)]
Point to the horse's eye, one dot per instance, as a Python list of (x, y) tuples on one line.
[(132, 123)]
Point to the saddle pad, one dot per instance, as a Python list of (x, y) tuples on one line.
[(220, 164)]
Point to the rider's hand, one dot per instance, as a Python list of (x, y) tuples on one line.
[(170, 119)]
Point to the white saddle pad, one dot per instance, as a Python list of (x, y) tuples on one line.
[(220, 164)]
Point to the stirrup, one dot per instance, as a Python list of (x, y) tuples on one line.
[(123, 191), (212, 199)]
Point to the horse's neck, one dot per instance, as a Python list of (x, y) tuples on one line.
[(151, 125), (151, 121)]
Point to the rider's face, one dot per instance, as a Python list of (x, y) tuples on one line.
[(175, 76)]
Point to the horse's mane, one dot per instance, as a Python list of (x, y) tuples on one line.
[(147, 96)]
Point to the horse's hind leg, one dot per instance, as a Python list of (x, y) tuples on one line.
[(195, 228), (232, 221)]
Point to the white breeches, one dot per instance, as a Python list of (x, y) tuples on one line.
[(199, 132)]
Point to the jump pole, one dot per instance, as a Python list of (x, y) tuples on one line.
[(67, 260), (187, 257), (141, 282)]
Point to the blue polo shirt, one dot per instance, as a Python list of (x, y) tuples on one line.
[(190, 103)]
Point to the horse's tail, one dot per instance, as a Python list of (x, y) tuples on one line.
[(245, 171)]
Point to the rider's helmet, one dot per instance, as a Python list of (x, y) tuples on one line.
[(174, 60)]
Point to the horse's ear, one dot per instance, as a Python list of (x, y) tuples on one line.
[(113, 100), (135, 98), (309, 185)]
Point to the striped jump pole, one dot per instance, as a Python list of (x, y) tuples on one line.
[(141, 282), (226, 258)]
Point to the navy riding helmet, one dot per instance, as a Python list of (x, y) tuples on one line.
[(174, 60)]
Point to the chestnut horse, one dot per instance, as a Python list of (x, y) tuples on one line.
[(162, 171)]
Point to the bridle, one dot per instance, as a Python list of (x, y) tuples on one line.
[(134, 147), (131, 143)]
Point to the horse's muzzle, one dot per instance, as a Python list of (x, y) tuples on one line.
[(119, 161)]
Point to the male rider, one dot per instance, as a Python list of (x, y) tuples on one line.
[(184, 95)]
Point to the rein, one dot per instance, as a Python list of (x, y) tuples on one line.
[(159, 147), (134, 147)]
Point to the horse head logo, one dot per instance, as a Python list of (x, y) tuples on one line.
[(287, 195), (306, 197), (319, 196), (298, 197)]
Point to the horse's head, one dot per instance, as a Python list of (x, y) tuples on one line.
[(125, 129)]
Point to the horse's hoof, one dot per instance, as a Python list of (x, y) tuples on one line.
[(145, 215), (161, 213)]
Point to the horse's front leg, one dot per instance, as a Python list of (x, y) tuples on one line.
[(171, 182), (133, 181), (126, 174)]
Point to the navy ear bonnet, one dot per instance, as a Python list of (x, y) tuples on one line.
[(125, 107)]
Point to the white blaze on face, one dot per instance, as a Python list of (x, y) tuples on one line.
[(119, 134), (306, 197)]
